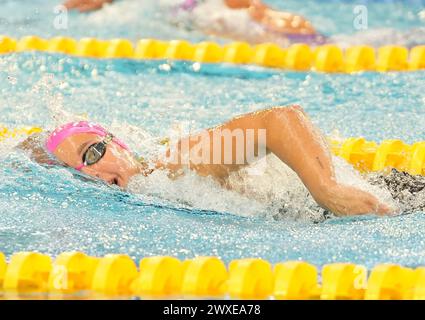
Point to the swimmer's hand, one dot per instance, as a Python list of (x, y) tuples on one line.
[(85, 5), (280, 21), (345, 200)]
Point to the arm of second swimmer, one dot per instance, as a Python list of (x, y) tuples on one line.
[(238, 4), (85, 5), (246, 4)]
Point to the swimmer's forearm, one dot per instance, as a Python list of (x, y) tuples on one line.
[(297, 142), (288, 134), (292, 137)]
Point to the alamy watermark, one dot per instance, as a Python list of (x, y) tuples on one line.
[(360, 280), (59, 276), (361, 17), (219, 146), (60, 22)]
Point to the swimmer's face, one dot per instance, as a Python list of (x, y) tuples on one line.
[(117, 165)]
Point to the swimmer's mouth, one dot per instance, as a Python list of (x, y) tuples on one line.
[(114, 181)]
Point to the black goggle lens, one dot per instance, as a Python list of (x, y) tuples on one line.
[(94, 153)]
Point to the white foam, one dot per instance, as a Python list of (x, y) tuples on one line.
[(195, 192), (277, 193), (123, 13), (380, 37)]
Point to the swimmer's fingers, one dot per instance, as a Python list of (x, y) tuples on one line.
[(348, 201), (374, 205), (384, 209)]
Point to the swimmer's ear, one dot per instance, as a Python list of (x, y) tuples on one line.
[(34, 147)]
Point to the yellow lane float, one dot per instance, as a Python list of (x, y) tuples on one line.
[(297, 57), (116, 275)]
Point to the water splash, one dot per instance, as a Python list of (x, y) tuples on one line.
[(278, 193), (408, 191)]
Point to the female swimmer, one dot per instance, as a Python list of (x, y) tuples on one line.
[(289, 134), (245, 20)]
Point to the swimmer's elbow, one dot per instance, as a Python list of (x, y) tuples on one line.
[(293, 109), (280, 116)]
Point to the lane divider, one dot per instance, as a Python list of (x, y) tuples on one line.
[(368, 156), (365, 156), (116, 275), (6, 133), (298, 57)]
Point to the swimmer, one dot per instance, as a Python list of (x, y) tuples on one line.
[(254, 22), (289, 134), (244, 20)]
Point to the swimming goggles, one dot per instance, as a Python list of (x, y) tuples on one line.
[(95, 152)]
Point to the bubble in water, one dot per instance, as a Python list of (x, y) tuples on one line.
[(12, 80)]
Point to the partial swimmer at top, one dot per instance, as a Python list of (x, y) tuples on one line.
[(246, 20), (255, 22), (242, 20)]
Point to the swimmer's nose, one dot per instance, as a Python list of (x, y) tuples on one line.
[(108, 178)]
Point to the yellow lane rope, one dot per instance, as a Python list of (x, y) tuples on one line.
[(298, 57), (161, 276)]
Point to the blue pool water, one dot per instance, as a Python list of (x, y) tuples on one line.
[(52, 211)]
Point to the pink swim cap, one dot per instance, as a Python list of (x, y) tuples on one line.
[(69, 129)]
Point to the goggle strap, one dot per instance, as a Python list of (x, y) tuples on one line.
[(81, 166)]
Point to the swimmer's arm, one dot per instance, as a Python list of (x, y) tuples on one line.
[(292, 137), (279, 21), (256, 8)]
